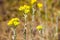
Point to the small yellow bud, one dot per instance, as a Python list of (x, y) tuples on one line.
[(40, 5), (39, 27)]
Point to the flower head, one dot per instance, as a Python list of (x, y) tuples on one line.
[(25, 8), (40, 5), (39, 27), (14, 22), (33, 1)]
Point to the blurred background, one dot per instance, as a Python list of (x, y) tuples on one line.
[(49, 18)]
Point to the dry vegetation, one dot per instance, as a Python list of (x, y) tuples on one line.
[(9, 9)]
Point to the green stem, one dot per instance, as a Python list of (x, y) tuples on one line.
[(14, 34), (25, 16), (25, 34), (45, 9), (31, 31), (33, 12), (40, 32)]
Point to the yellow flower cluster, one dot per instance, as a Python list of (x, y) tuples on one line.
[(39, 27), (40, 5), (25, 8), (14, 22), (33, 1)]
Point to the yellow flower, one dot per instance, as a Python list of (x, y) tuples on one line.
[(13, 21), (21, 8), (25, 8), (33, 1), (39, 27), (40, 5)]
